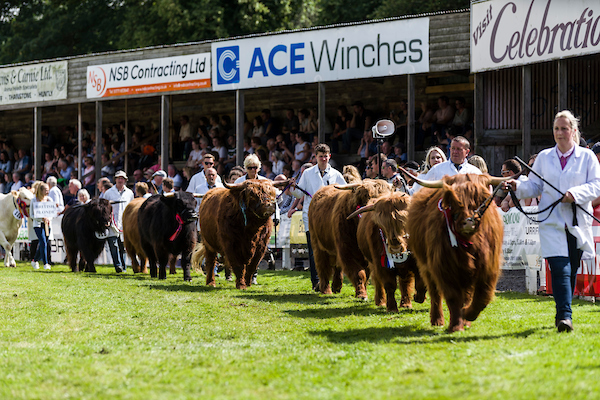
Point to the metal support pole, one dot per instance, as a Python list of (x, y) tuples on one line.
[(410, 118), (79, 134), (126, 138), (99, 149), (526, 115), (322, 112), (37, 142), (239, 127), (164, 132)]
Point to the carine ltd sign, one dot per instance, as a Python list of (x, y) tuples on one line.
[(149, 76), (361, 51), (507, 33)]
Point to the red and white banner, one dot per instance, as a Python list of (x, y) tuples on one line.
[(157, 75)]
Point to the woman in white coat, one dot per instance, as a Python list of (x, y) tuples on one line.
[(566, 236)]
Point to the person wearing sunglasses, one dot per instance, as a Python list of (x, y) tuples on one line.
[(200, 178), (252, 166)]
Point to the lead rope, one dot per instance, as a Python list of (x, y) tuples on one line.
[(551, 207)]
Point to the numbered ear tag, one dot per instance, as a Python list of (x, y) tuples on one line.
[(102, 235), (17, 214)]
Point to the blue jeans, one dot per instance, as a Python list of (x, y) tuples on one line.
[(314, 277), (564, 276), (41, 254), (117, 252)]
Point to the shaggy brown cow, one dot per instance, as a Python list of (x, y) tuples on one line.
[(333, 236), (464, 273), (235, 221), (382, 219), (132, 242)]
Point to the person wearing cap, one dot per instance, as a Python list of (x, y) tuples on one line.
[(157, 180), (457, 164), (121, 195)]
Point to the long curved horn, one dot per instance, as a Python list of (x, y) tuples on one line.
[(198, 195), (495, 181), (349, 186), (232, 185), (280, 184), (429, 184), (169, 194), (361, 210)]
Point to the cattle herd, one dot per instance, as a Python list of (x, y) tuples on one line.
[(438, 241)]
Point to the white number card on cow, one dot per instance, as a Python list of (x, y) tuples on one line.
[(44, 209)]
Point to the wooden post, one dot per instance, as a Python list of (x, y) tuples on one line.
[(126, 137), (79, 134)]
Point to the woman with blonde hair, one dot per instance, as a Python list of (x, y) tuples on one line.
[(41, 227), (434, 156), (479, 162), (566, 235)]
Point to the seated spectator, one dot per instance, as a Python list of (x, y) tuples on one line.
[(267, 170), (15, 184), (287, 170), (368, 147), (425, 122), (276, 159), (219, 148), (291, 123), (141, 190), (304, 119), (443, 117), (108, 170), (185, 135), (342, 123), (23, 164), (48, 141), (269, 124), (195, 158), (89, 168), (49, 166), (399, 119), (387, 149), (5, 162), (302, 150), (173, 174), (462, 119), (400, 152), (65, 170), (258, 130), (361, 122)]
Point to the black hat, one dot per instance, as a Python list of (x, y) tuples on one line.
[(412, 165), (596, 148)]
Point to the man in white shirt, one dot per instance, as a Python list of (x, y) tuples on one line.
[(457, 164), (199, 178), (211, 183), (55, 194), (311, 180), (122, 194)]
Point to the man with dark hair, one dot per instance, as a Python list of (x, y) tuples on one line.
[(291, 123), (311, 180), (362, 120)]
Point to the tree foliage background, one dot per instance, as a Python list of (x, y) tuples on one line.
[(44, 29)]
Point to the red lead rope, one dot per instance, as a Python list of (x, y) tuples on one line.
[(179, 227), (451, 231)]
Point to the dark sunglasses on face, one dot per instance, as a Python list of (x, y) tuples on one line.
[(252, 167)]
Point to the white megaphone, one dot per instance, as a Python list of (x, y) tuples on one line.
[(383, 128)]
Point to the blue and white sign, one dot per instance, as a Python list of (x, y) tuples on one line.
[(354, 52)]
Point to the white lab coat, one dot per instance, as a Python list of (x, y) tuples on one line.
[(440, 170), (311, 181), (580, 177)]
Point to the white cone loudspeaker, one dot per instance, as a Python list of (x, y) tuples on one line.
[(383, 128)]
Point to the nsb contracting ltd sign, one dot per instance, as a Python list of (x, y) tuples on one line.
[(508, 33), (360, 51), (149, 76), (33, 83)]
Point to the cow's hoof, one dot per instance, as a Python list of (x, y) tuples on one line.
[(213, 284), (437, 322), (456, 328), (392, 310)]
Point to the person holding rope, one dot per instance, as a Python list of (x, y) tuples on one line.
[(122, 195), (568, 178)]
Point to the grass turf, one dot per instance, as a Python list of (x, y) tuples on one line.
[(101, 336)]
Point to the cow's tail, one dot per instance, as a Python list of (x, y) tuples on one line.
[(197, 258)]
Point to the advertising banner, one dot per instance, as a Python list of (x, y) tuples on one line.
[(360, 51), (521, 246), (149, 76), (31, 83), (517, 32)]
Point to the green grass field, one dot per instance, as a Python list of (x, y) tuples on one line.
[(103, 336)]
